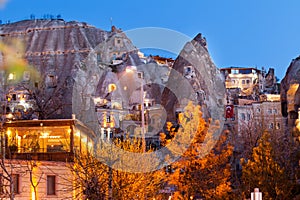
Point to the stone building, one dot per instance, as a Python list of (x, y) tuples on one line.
[(249, 82), (260, 116)]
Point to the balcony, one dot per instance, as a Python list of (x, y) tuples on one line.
[(49, 156), (48, 140)]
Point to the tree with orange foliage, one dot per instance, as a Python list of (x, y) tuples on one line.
[(204, 168)]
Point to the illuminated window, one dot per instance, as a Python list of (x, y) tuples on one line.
[(51, 185), (11, 76), (258, 110)]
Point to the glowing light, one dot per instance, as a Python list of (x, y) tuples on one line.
[(112, 124), (50, 136), (44, 135), (9, 116), (77, 133), (112, 87), (130, 69), (34, 181), (32, 193), (84, 139), (10, 76)]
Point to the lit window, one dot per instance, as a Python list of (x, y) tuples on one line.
[(11, 76), (51, 185), (258, 110), (16, 183)]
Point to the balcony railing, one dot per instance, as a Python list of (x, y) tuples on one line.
[(62, 156)]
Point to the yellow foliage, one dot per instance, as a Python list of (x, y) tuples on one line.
[(203, 168)]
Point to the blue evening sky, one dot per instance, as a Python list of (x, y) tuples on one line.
[(245, 33)]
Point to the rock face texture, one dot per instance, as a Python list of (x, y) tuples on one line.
[(205, 85), (74, 58), (56, 48), (82, 66), (290, 92)]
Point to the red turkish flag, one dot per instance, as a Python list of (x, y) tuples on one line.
[(229, 112)]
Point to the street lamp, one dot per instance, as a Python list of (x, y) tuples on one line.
[(140, 75)]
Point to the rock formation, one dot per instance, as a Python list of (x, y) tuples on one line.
[(82, 65), (75, 57), (290, 92), (205, 84)]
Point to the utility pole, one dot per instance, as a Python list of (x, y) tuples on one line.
[(140, 75)]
